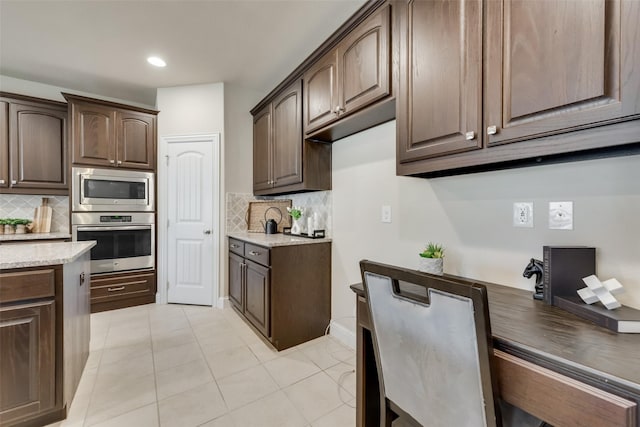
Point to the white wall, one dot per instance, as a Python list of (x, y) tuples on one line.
[(238, 124), (472, 215)]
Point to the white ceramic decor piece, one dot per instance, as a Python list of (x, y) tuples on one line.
[(601, 291)]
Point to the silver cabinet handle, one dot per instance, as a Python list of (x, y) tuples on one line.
[(339, 110), (119, 288), (14, 182), (470, 135), (2, 181), (254, 253), (234, 246), (492, 130), (112, 161), (119, 162), (207, 231)]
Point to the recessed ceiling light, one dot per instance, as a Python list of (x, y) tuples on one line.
[(158, 62)]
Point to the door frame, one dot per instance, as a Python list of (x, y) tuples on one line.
[(163, 214)]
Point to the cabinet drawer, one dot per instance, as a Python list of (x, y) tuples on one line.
[(27, 285), (103, 289), (257, 254), (236, 246), (538, 391)]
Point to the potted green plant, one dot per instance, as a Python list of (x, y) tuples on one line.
[(14, 225), (431, 259), (296, 213)]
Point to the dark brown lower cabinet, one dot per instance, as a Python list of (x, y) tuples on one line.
[(27, 359), (284, 292), (44, 340), (120, 290), (257, 296)]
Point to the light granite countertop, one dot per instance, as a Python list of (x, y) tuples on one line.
[(39, 254), (273, 240), (34, 236)]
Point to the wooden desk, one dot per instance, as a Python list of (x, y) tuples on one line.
[(552, 364)]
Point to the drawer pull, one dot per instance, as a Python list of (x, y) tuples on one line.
[(234, 246), (254, 253), (119, 288)]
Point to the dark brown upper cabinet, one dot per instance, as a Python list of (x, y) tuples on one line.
[(4, 144), (33, 145), (282, 160), (352, 76), (111, 135), (439, 98), (262, 149), (549, 77), (558, 66)]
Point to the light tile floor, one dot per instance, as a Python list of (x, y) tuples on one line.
[(178, 365)]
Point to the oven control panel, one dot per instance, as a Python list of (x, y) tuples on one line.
[(115, 218)]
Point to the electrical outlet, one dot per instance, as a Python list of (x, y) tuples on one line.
[(523, 214), (386, 214), (561, 215)]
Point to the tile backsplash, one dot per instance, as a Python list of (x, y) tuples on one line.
[(23, 206), (315, 202)]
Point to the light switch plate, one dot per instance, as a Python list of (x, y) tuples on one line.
[(561, 215), (385, 215), (523, 214)]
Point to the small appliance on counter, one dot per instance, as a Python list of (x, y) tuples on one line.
[(271, 227)]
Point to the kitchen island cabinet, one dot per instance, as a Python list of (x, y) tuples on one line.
[(44, 329), (33, 145), (108, 134), (281, 285)]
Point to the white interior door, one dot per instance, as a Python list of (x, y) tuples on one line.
[(191, 201)]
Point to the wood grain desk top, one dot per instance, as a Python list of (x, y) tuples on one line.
[(558, 340)]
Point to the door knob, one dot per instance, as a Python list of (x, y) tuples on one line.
[(207, 231)]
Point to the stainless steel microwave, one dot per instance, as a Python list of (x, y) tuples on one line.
[(102, 190)]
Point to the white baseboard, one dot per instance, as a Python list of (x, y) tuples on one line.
[(222, 302), (343, 334)]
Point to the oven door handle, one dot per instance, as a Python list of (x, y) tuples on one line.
[(120, 228)]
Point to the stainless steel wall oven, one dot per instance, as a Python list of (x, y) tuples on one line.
[(126, 241)]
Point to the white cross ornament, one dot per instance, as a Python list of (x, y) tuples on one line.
[(601, 291)]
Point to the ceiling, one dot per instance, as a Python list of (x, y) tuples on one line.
[(101, 46)]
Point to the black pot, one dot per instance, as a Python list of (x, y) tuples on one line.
[(271, 227)]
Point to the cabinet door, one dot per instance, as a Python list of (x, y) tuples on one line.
[(27, 360), (321, 93), (439, 96), (4, 144), (236, 280), (135, 140), (38, 139), (262, 149), (287, 137), (258, 296), (93, 134), (364, 63), (556, 66)]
